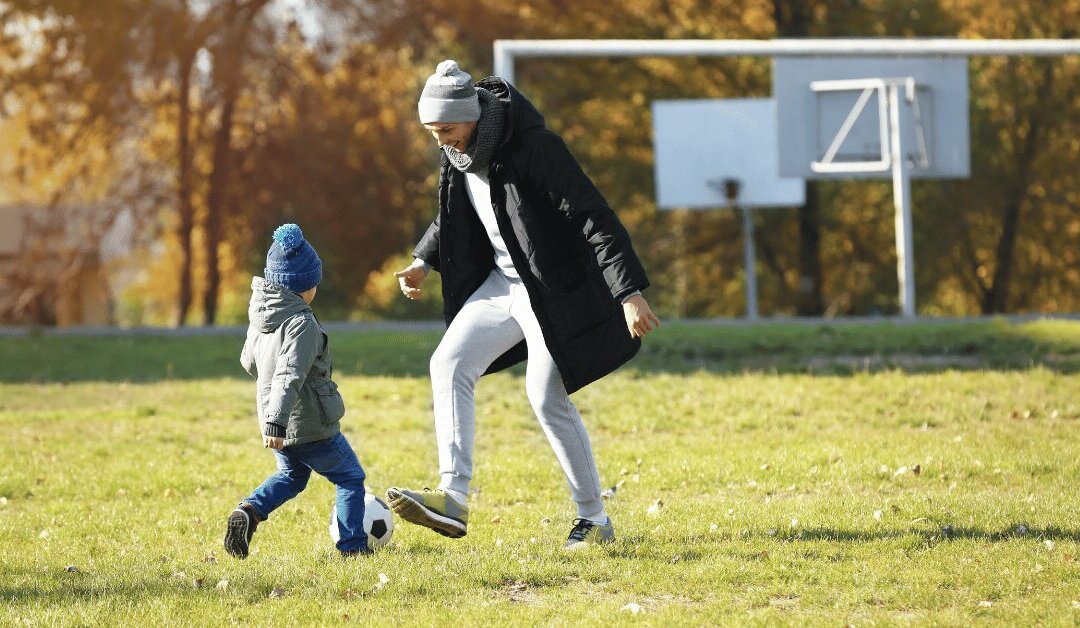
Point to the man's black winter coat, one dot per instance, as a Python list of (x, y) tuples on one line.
[(572, 252)]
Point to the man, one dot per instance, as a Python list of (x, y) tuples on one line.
[(534, 265)]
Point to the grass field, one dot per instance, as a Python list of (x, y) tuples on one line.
[(864, 474)]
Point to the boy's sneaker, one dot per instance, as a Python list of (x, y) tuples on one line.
[(241, 526), (431, 509), (356, 553), (586, 533)]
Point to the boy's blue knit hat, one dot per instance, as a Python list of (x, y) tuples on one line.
[(291, 262)]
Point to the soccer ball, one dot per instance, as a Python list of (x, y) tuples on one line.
[(378, 521)]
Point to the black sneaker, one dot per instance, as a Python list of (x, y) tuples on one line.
[(241, 526)]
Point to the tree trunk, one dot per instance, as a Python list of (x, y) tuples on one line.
[(219, 178), (809, 301), (996, 299), (186, 210), (793, 19), (228, 70)]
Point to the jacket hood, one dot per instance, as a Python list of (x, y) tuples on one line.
[(271, 305), (522, 115)]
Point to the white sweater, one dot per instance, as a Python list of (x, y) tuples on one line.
[(480, 195)]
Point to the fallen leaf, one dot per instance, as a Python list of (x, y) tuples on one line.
[(632, 607), (382, 582), (277, 593)]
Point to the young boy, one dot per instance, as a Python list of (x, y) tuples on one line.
[(300, 408)]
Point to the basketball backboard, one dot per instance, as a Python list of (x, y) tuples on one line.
[(700, 143), (832, 112)]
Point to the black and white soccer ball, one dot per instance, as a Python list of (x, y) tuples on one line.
[(378, 521)]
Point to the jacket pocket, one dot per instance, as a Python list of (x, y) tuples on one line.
[(579, 310), (331, 405)]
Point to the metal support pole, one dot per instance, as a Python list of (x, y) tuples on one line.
[(901, 176), (749, 262), (730, 187), (503, 63)]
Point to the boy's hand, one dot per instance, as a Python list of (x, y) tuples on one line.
[(273, 442)]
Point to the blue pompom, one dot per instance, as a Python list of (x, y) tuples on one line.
[(289, 236)]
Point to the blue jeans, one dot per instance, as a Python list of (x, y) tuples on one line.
[(331, 458)]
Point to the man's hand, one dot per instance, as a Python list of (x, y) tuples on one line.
[(410, 279), (273, 442), (640, 319)]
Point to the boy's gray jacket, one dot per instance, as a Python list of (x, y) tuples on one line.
[(288, 352)]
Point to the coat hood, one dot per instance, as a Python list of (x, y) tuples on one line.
[(271, 305), (522, 115)]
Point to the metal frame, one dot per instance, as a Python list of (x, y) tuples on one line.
[(892, 158), (867, 87), (507, 50)]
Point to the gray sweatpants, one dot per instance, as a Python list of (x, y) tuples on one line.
[(494, 319)]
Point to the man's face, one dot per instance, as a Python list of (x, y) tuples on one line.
[(453, 134)]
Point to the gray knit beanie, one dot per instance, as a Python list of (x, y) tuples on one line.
[(449, 96)]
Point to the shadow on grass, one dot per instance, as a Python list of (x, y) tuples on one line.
[(826, 349), (78, 586), (1018, 532)]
